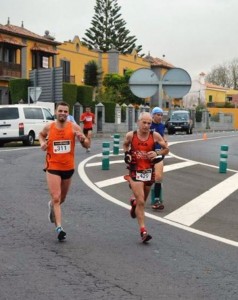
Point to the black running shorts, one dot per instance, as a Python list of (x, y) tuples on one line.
[(63, 174)]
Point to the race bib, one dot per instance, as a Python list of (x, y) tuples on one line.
[(89, 118), (60, 147), (144, 175)]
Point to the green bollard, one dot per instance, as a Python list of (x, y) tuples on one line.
[(116, 143), (223, 159), (105, 156)]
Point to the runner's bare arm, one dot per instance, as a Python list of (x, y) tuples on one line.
[(43, 137), (127, 141), (80, 136), (126, 147), (164, 145)]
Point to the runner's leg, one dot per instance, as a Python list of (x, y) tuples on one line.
[(54, 185), (138, 190)]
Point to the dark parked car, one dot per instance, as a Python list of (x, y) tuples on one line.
[(180, 121)]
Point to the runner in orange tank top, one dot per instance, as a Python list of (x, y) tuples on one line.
[(60, 150), (58, 140), (140, 152)]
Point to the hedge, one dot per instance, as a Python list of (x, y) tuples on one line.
[(19, 90)]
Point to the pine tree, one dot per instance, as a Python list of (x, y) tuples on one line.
[(91, 73), (108, 29)]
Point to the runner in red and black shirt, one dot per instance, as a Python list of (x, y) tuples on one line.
[(88, 120), (140, 155)]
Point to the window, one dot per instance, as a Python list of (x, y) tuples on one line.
[(66, 70), (210, 98), (48, 115), (33, 113), (179, 117), (39, 60), (9, 113), (45, 62), (8, 55)]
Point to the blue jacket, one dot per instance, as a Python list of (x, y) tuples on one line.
[(158, 127)]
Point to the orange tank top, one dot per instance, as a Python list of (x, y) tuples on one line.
[(60, 150), (139, 151)]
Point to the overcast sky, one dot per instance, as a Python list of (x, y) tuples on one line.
[(195, 35)]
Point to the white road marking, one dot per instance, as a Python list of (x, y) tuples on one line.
[(100, 163), (195, 209), (120, 179), (84, 177), (95, 164), (81, 171), (19, 149), (179, 165), (110, 181)]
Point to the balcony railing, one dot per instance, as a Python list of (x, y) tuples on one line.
[(10, 69), (68, 78)]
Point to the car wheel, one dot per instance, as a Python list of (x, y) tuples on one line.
[(30, 140)]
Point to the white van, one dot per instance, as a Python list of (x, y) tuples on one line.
[(22, 122)]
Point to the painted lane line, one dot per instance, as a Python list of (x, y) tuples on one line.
[(100, 163), (192, 211), (20, 149), (96, 164), (88, 182), (111, 181), (120, 179), (179, 165), (200, 163)]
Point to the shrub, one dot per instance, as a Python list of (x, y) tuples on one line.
[(19, 90)]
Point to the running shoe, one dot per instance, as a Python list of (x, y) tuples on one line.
[(145, 237), (88, 150), (158, 205), (133, 207), (61, 233), (51, 214)]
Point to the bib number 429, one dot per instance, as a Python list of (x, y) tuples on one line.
[(144, 175)]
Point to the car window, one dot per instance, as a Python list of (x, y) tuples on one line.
[(33, 113), (179, 117), (48, 115), (9, 113)]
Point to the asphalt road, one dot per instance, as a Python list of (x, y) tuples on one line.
[(103, 257)]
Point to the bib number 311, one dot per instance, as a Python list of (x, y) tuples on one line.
[(60, 147)]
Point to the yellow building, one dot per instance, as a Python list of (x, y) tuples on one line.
[(215, 94), (73, 56), (204, 93), (232, 97), (22, 51)]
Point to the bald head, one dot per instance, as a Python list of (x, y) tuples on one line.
[(144, 122), (144, 115)]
